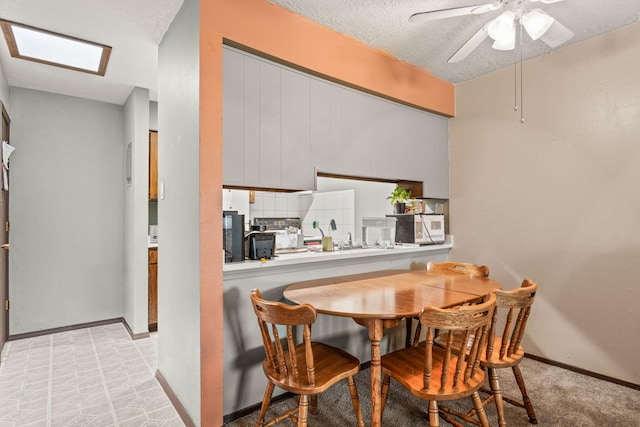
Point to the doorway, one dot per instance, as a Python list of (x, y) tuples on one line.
[(4, 241)]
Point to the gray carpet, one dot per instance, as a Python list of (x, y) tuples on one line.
[(560, 397)]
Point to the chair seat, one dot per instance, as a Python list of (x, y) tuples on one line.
[(496, 362), (331, 365), (406, 367)]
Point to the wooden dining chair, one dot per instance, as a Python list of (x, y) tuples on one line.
[(436, 373), (503, 347), (447, 266), (459, 267), (302, 367)]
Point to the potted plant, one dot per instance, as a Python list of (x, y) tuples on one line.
[(399, 197)]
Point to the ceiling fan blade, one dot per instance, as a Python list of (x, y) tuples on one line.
[(456, 11), (470, 45), (556, 35)]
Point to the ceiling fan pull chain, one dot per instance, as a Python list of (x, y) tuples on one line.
[(521, 83), (515, 81)]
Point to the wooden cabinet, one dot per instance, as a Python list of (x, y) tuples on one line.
[(153, 289), (153, 165)]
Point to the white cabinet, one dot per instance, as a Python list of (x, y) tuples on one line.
[(270, 117), (280, 126), (265, 124), (295, 166), (233, 117), (325, 117)]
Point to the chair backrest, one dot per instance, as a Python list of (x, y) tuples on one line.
[(473, 322), (275, 318), (459, 267), (516, 303)]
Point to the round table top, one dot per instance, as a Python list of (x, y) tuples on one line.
[(389, 294)]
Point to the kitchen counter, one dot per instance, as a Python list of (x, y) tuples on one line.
[(348, 256)]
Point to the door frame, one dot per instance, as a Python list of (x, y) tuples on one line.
[(4, 320)]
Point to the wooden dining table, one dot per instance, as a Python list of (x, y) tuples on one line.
[(381, 299)]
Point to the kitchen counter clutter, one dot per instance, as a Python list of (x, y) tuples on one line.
[(299, 259)]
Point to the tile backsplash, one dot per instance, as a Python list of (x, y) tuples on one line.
[(309, 207)]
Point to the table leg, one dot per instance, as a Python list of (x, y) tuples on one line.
[(375, 335)]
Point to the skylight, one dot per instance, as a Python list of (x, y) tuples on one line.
[(43, 46)]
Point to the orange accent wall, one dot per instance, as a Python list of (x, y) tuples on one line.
[(275, 31)]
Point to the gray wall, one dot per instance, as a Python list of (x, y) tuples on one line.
[(153, 115), (67, 175), (136, 277), (4, 90), (178, 213), (556, 199)]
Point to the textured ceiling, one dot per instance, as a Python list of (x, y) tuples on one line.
[(384, 24), (134, 28)]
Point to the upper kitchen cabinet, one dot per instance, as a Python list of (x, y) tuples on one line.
[(358, 134), (153, 165), (280, 126), (325, 117), (426, 136), (265, 124)]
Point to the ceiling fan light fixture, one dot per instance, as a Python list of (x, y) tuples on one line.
[(536, 22), (507, 42), (501, 27)]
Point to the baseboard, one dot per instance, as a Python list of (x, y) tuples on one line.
[(182, 412), (64, 329), (253, 408), (131, 334), (583, 371)]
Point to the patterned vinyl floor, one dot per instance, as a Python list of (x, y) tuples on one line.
[(96, 376)]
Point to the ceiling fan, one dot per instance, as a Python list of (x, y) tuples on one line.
[(537, 23)]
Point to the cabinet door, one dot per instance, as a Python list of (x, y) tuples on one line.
[(324, 127), (270, 126), (433, 133), (251, 113), (387, 155), (153, 165), (295, 168), (153, 290), (233, 117), (355, 134)]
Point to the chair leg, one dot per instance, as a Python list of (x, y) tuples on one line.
[(314, 405), (497, 395), (303, 410), (525, 397), (434, 415), (384, 392), (482, 415), (355, 401), (266, 401), (409, 329)]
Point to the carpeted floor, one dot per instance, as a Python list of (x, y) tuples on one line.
[(561, 399)]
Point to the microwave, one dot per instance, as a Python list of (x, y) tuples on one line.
[(421, 229)]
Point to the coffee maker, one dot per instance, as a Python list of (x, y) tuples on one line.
[(233, 236)]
